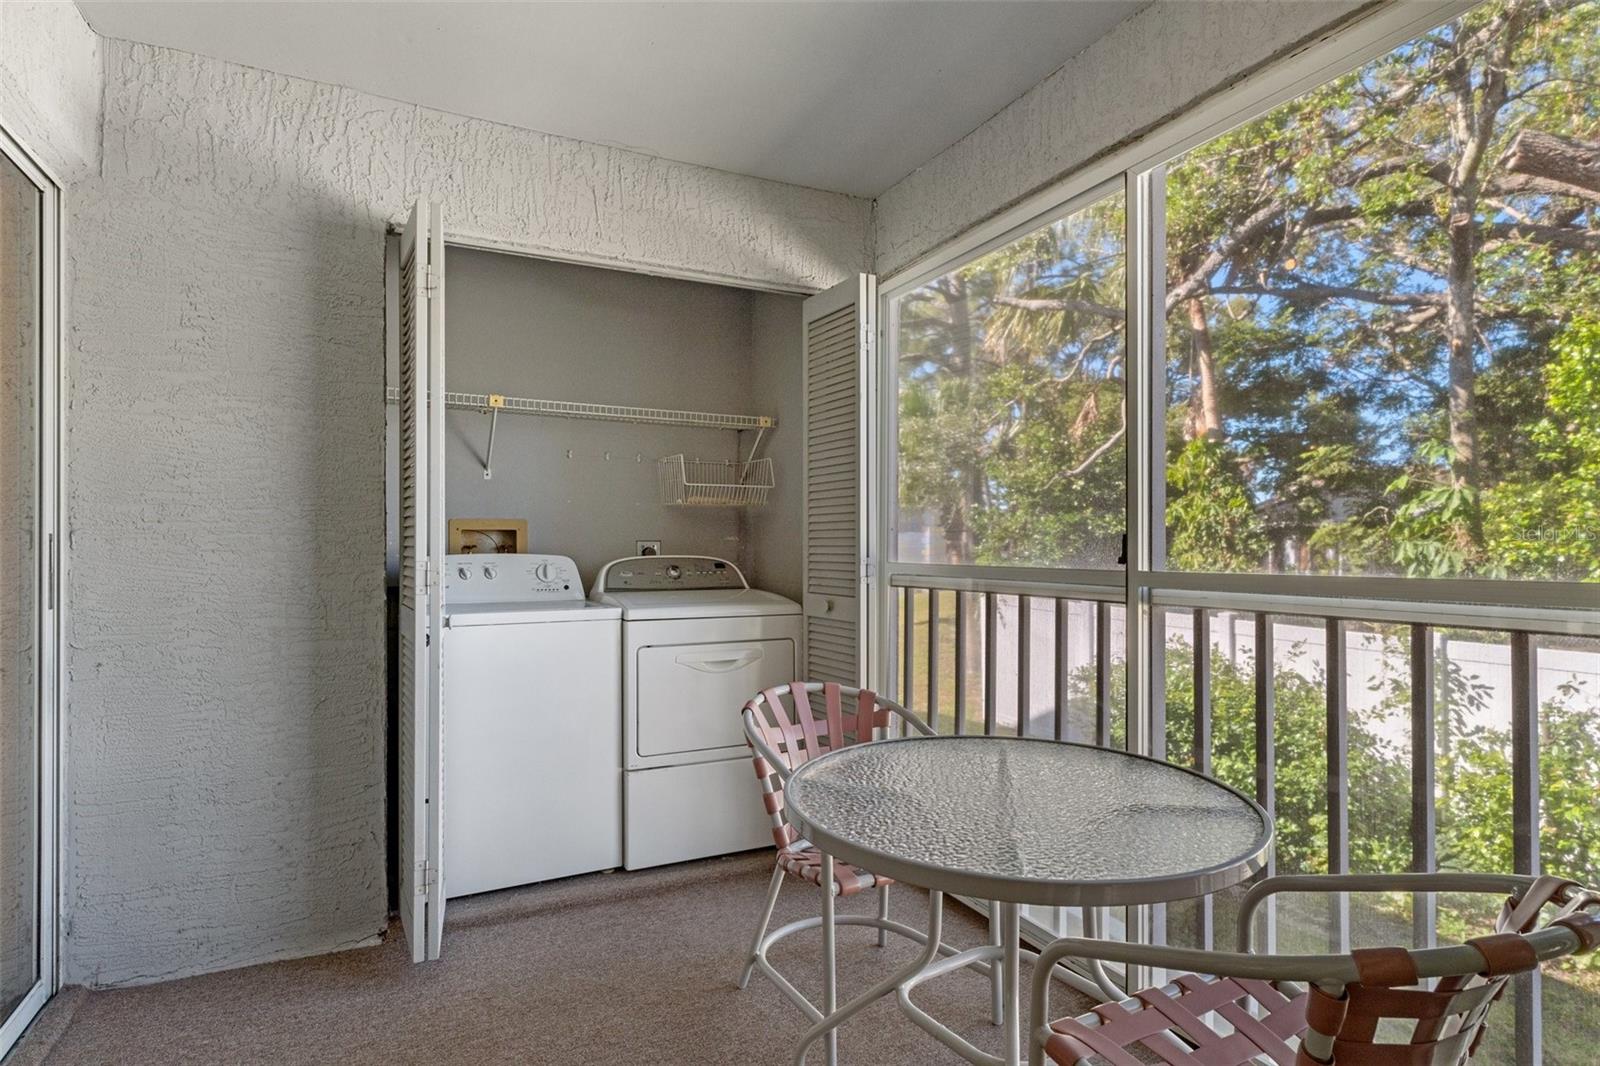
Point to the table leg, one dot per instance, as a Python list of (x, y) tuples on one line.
[(997, 989), (1011, 969), (830, 968)]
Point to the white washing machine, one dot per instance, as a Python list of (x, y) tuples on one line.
[(532, 728), (697, 642)]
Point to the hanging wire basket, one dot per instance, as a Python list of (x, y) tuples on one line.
[(714, 482)]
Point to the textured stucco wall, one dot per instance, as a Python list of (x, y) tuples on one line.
[(225, 660), (50, 81), (1153, 66)]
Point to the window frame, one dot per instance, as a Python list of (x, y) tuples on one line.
[(50, 561), (889, 413)]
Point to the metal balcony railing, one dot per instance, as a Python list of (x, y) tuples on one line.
[(1233, 699)]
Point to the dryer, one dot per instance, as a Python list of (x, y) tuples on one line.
[(697, 642)]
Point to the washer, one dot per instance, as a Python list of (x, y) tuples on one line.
[(532, 727), (697, 642)]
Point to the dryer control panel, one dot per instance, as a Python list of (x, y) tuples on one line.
[(493, 578), (670, 573)]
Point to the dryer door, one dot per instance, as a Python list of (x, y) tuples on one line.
[(689, 695)]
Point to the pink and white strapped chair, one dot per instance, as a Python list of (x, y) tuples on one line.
[(1238, 1009), (785, 729)]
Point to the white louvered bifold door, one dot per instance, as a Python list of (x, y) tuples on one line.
[(840, 338), (422, 548)]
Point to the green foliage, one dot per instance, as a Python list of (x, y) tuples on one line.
[(1551, 524), (1432, 531), (1213, 521), (1472, 768), (1011, 414), (1315, 240)]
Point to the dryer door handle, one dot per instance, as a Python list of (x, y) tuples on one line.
[(721, 664)]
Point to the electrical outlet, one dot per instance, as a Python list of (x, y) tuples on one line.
[(647, 547)]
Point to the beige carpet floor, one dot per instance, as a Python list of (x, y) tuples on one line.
[(609, 968)]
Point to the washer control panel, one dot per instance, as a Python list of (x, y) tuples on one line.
[(670, 573), (493, 578)]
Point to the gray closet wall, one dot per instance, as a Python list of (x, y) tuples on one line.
[(531, 327)]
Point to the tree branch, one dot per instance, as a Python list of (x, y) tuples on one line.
[(1575, 240), (1082, 307), (1306, 292), (1564, 160)]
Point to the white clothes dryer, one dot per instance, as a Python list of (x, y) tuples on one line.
[(697, 642)]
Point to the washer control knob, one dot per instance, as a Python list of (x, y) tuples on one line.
[(674, 571), (541, 572), (464, 573), (490, 573)]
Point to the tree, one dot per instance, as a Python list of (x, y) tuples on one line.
[(1011, 414), (1401, 233), (1362, 290)]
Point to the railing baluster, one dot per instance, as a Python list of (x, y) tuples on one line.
[(991, 648), (933, 659), (1151, 921), (1024, 663), (1338, 777), (1063, 668), (908, 643), (1102, 673), (1202, 690), (1525, 824), (1202, 742), (1424, 825), (1266, 753), (961, 663)]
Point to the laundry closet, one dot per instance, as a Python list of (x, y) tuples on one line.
[(519, 326), (613, 511)]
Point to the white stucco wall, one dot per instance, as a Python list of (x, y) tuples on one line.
[(50, 81), (226, 654), (1163, 60)]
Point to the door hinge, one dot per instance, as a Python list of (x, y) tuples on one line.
[(869, 570), (427, 878), (430, 282)]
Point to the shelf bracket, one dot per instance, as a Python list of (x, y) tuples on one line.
[(494, 402), (755, 447)]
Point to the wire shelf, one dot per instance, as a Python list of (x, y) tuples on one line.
[(714, 482), (601, 412)]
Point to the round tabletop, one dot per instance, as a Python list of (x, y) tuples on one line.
[(1027, 820)]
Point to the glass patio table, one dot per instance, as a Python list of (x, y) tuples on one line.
[(1017, 821)]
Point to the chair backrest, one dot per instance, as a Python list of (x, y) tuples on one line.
[(1365, 1008), (797, 723), (1444, 1024)]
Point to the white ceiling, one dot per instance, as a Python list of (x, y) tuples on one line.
[(848, 96)]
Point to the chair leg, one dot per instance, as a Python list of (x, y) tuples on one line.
[(883, 914), (997, 989), (830, 970), (761, 929)]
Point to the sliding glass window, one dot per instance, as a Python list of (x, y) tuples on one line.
[(1381, 316), (1009, 376), (1347, 330)]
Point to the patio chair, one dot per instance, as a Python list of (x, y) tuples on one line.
[(1372, 1007), (785, 729)]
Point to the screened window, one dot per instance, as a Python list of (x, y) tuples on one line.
[(1382, 336), (1010, 392)]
